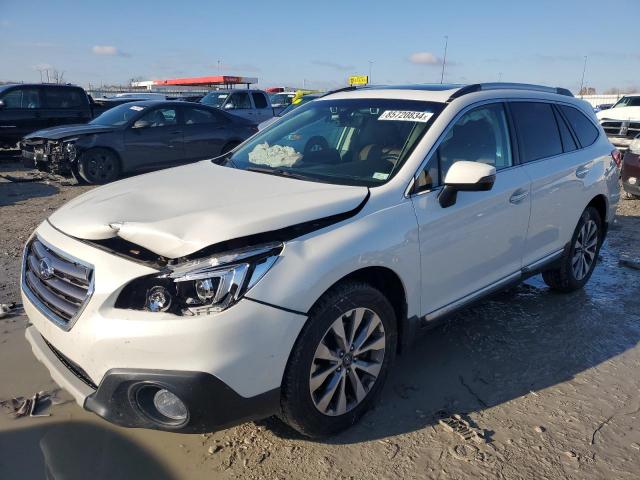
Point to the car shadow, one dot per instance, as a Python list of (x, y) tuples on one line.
[(12, 192), (512, 344), (75, 451)]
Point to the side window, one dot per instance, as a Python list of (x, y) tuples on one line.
[(586, 131), (537, 130), (22, 98), (259, 100), (240, 100), (62, 98), (160, 117), (568, 143), (480, 135), (200, 116)]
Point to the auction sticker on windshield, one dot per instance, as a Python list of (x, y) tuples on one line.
[(406, 116)]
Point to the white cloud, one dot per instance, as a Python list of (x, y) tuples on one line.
[(425, 58), (5, 23), (42, 66), (108, 50)]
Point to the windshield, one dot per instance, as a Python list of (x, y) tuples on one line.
[(301, 101), (214, 99), (280, 99), (354, 142), (628, 102), (120, 115)]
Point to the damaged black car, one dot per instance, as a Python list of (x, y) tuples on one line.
[(134, 137)]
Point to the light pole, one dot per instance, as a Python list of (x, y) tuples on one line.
[(218, 67), (444, 59), (370, 66), (584, 69)]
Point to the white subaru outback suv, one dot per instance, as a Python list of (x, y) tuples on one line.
[(284, 277)]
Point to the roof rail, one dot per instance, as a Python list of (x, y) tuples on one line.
[(477, 87)]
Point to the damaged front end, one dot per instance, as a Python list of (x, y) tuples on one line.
[(54, 156)]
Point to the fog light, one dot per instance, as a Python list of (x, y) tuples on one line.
[(632, 180), (170, 405), (158, 299)]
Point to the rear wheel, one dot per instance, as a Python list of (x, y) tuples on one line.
[(99, 166), (340, 361), (579, 260)]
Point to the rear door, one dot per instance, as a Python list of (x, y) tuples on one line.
[(21, 114), (552, 159), (155, 139), (206, 132), (479, 241), (65, 105), (262, 108)]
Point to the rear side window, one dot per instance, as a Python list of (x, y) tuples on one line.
[(259, 100), (568, 143), (199, 116), (586, 131), (63, 98), (21, 98), (537, 130)]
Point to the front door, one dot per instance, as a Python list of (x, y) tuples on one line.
[(156, 139), (479, 241), (206, 132)]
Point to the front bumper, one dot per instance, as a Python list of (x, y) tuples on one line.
[(244, 348)]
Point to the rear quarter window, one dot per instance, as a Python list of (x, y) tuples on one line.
[(586, 131), (537, 130)]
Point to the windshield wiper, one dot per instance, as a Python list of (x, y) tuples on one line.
[(282, 173)]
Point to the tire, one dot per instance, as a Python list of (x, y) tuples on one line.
[(580, 258), (308, 403), (228, 147), (99, 166)]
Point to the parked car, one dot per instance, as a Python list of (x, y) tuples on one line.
[(25, 108), (295, 104), (136, 136), (254, 105), (630, 173), (282, 99), (621, 122), (283, 280)]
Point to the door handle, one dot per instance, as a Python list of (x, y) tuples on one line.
[(518, 196), (583, 171)]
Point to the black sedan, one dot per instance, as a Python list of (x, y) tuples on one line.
[(135, 136)]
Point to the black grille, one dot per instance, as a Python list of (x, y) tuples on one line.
[(72, 367)]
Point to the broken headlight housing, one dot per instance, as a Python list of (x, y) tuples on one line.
[(201, 286)]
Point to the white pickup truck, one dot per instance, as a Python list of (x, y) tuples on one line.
[(621, 122), (253, 105)]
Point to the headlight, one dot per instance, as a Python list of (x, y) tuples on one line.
[(634, 146), (206, 285), (70, 149)]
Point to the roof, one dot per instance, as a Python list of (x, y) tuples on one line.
[(194, 81), (445, 92), (3, 87)]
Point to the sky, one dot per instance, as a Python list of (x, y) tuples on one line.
[(319, 44)]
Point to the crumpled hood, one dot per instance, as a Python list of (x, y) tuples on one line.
[(64, 131), (620, 113), (178, 211)]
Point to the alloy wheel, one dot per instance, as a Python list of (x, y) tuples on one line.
[(347, 362), (584, 250), (100, 167)]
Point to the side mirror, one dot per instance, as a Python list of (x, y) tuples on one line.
[(1, 104), (466, 176), (228, 106), (141, 124)]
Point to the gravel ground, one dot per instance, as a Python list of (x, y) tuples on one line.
[(550, 380)]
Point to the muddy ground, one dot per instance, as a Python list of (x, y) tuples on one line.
[(552, 380)]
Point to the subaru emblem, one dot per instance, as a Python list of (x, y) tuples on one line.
[(46, 270)]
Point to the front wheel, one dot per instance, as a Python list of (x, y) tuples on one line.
[(579, 260), (99, 166), (340, 361)]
